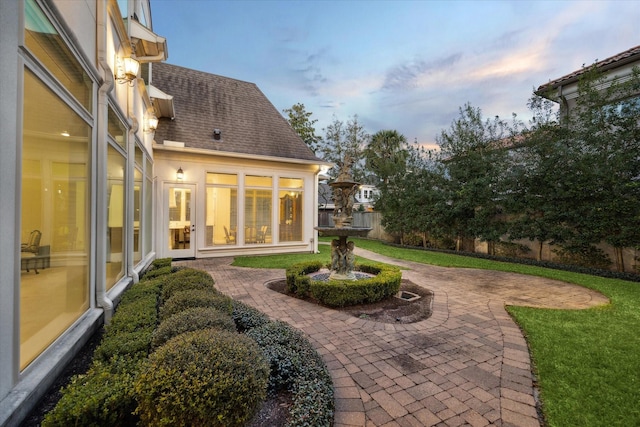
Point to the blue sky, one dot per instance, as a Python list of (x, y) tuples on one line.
[(403, 65)]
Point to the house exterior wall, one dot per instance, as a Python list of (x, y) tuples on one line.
[(196, 166), (59, 181)]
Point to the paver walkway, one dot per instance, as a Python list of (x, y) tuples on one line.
[(468, 364)]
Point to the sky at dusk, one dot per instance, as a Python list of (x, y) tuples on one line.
[(402, 65)]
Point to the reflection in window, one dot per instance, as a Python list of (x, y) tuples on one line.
[(115, 216), (137, 204), (117, 131), (45, 43), (221, 209), (148, 207), (290, 216), (257, 209), (54, 285)]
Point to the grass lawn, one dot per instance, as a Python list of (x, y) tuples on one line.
[(587, 361)]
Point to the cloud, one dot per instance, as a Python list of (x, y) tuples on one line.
[(408, 75)]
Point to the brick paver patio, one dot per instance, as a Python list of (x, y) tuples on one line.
[(468, 364)]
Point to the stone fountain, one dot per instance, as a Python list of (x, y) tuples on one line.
[(342, 257)]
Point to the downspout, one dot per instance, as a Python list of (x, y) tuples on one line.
[(102, 300), (314, 239), (130, 194)]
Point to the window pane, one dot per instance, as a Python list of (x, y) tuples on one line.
[(290, 183), (117, 131), (221, 215), (258, 181), (148, 216), (222, 178), (290, 216), (54, 285), (137, 205), (45, 43), (257, 215), (115, 216)]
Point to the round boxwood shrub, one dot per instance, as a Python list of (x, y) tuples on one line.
[(247, 317), (185, 280), (189, 320), (183, 300), (202, 378)]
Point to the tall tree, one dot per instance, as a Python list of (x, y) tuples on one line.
[(300, 120), (344, 140), (473, 152), (386, 155)]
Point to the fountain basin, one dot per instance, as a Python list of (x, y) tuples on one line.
[(343, 231)]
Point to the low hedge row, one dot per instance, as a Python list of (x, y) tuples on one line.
[(193, 368), (340, 293), (632, 277), (295, 366)]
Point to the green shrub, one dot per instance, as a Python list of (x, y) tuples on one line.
[(297, 280), (191, 319), (142, 289), (247, 317), (340, 293), (135, 345), (153, 273), (297, 367), (134, 315), (186, 279), (183, 300), (161, 262), (101, 397), (202, 378)]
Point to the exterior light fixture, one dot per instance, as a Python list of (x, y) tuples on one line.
[(152, 123), (180, 174), (217, 134), (126, 70)]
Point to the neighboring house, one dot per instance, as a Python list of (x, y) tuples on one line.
[(89, 199), (365, 197), (249, 182), (564, 90)]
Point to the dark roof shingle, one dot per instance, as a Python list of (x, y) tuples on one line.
[(615, 61), (248, 122)]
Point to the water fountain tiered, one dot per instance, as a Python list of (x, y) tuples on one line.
[(342, 257)]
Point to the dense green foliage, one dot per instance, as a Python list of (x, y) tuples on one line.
[(300, 120), (189, 320), (570, 180), (202, 378), (201, 371), (340, 293)]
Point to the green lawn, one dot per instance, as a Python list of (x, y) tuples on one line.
[(587, 361)]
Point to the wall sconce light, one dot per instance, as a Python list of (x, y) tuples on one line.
[(217, 134), (180, 174), (152, 123), (126, 70)]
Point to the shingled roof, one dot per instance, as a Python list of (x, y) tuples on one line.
[(248, 122), (618, 60)]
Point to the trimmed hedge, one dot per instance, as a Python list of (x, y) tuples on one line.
[(297, 367), (186, 279), (183, 300), (298, 281), (191, 319), (102, 397), (341, 293), (247, 317), (202, 378)]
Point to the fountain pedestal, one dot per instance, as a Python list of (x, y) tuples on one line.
[(342, 257)]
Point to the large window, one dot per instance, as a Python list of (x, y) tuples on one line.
[(290, 218), (54, 285), (116, 166), (221, 209), (257, 209)]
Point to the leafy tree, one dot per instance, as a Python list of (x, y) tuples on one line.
[(473, 153), (300, 120), (386, 155), (344, 140)]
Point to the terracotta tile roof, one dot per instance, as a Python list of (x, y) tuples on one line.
[(248, 122), (622, 58)]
